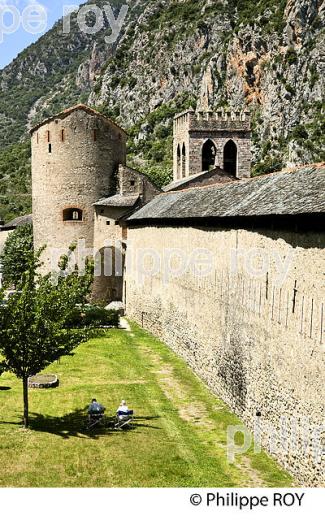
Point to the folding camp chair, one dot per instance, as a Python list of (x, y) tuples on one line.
[(95, 419), (124, 420)]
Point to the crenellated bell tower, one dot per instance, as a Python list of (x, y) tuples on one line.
[(204, 140)]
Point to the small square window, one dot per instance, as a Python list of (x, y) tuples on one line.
[(132, 183), (108, 222), (117, 223)]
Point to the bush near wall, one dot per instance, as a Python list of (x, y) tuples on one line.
[(93, 316)]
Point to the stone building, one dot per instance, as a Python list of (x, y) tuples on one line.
[(205, 140), (133, 190), (75, 155), (234, 282), (246, 309), (82, 188), (6, 229)]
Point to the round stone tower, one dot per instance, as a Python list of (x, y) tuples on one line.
[(75, 156)]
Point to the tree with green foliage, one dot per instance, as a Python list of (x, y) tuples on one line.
[(15, 180), (16, 255), (33, 330)]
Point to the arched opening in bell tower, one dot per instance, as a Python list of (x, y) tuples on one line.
[(209, 153), (183, 161), (179, 172), (230, 154)]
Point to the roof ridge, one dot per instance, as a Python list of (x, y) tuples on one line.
[(79, 106), (282, 194), (256, 178)]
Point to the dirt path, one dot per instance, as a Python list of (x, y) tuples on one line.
[(195, 412)]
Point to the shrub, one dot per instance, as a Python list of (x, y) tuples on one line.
[(291, 56), (93, 316), (269, 165), (299, 132)]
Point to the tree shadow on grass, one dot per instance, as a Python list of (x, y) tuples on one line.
[(75, 424)]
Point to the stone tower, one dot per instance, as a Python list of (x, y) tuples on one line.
[(204, 140), (75, 156)]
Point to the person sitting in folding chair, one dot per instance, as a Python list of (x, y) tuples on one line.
[(95, 413), (124, 416)]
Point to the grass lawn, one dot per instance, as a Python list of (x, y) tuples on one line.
[(179, 439)]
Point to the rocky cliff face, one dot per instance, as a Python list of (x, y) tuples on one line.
[(265, 54)]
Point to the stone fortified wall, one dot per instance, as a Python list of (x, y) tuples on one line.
[(110, 231), (74, 160), (252, 327), (108, 243)]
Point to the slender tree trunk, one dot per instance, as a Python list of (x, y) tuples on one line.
[(25, 389)]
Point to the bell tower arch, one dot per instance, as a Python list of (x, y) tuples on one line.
[(212, 139)]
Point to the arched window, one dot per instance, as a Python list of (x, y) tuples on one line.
[(179, 173), (209, 153), (230, 158), (183, 161), (72, 215)]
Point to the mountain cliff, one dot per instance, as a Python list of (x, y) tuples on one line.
[(170, 55)]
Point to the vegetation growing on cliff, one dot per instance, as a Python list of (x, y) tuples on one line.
[(15, 181), (163, 55)]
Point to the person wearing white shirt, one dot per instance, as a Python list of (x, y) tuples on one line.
[(123, 408)]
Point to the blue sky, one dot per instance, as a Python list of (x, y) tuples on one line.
[(20, 38)]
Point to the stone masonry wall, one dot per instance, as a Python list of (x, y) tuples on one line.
[(192, 129), (109, 233), (108, 238), (220, 139), (252, 326), (74, 160), (132, 182)]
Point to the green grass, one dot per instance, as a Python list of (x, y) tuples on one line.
[(179, 439)]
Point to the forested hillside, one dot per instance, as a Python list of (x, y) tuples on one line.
[(264, 54)]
